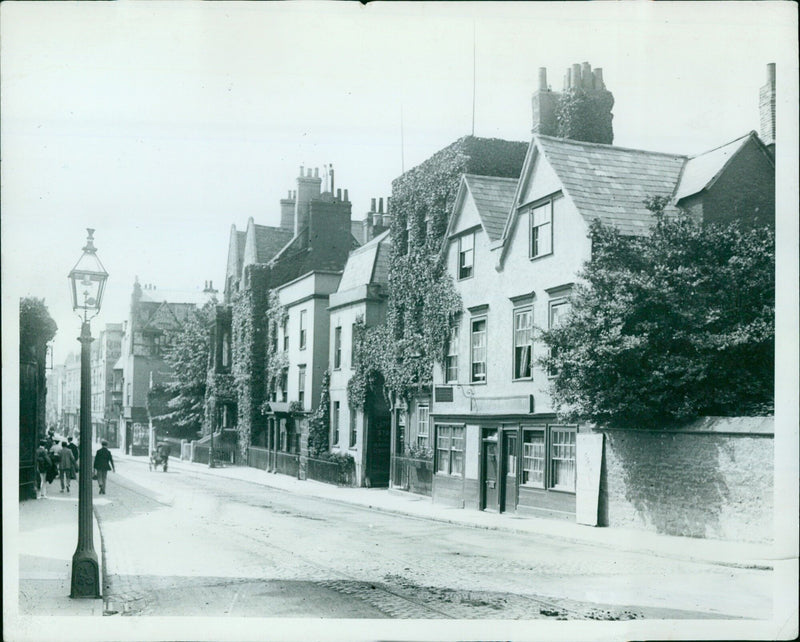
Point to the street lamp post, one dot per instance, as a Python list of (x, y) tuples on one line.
[(88, 281)]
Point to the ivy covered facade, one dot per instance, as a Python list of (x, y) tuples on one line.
[(270, 334)]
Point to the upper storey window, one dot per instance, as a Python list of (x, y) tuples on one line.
[(466, 255), (541, 240)]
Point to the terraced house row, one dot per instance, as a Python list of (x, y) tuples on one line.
[(480, 430)]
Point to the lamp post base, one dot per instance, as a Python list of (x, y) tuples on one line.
[(85, 575)]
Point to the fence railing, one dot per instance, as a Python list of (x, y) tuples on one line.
[(329, 472), (287, 463), (221, 455), (413, 475), (257, 457)]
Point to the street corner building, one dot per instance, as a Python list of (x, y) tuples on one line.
[(514, 248)]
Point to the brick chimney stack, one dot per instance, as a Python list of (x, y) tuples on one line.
[(287, 211), (591, 116), (308, 189), (766, 105)]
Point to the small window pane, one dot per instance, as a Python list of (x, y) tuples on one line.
[(562, 458), (443, 449), (522, 344), (533, 459), (541, 230), (466, 253), (451, 360), (457, 451), (422, 426), (479, 350)]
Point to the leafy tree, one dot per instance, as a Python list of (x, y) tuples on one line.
[(36, 326), (319, 422), (178, 405), (669, 326)]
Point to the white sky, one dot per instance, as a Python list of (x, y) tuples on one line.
[(161, 124)]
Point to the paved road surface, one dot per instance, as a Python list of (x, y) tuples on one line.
[(179, 543)]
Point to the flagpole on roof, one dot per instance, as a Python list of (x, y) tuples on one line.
[(402, 143), (473, 77)]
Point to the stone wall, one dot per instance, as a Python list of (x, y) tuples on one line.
[(711, 479)]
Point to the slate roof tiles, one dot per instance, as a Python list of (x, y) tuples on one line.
[(269, 241), (493, 197), (611, 183)]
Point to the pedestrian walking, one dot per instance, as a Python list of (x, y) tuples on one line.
[(75, 453), (103, 462), (66, 466), (42, 467), (54, 451)]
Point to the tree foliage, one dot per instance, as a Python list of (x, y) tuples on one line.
[(319, 421), (585, 115), (36, 326), (669, 326), (177, 406)]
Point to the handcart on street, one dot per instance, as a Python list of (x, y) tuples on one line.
[(160, 457)]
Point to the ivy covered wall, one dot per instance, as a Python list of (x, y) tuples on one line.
[(422, 298), (248, 308)]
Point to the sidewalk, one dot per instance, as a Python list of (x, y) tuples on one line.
[(48, 535), (738, 554)]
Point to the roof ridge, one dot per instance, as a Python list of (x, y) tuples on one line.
[(606, 146), (752, 132), (271, 227), (376, 240), (493, 178)]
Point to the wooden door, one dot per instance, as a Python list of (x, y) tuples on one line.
[(509, 472), (491, 485)]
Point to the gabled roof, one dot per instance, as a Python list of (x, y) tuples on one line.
[(701, 171), (368, 264), (236, 244), (269, 241), (493, 197), (611, 183)]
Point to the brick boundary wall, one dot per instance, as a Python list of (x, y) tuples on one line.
[(712, 479)]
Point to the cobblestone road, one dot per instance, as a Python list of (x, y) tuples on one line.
[(184, 544)]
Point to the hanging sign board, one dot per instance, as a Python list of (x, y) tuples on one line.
[(589, 455)]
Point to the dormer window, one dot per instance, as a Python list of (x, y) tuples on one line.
[(466, 255)]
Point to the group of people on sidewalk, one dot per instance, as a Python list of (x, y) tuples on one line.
[(60, 459)]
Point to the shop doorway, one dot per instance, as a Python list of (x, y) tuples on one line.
[(491, 481)]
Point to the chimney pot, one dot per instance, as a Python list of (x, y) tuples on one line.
[(598, 78), (338, 193), (316, 172), (576, 76), (302, 171), (771, 73), (380, 205), (542, 78), (372, 205), (346, 197), (587, 80)]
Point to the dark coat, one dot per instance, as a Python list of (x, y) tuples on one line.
[(103, 459), (66, 460), (43, 461), (75, 453)]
